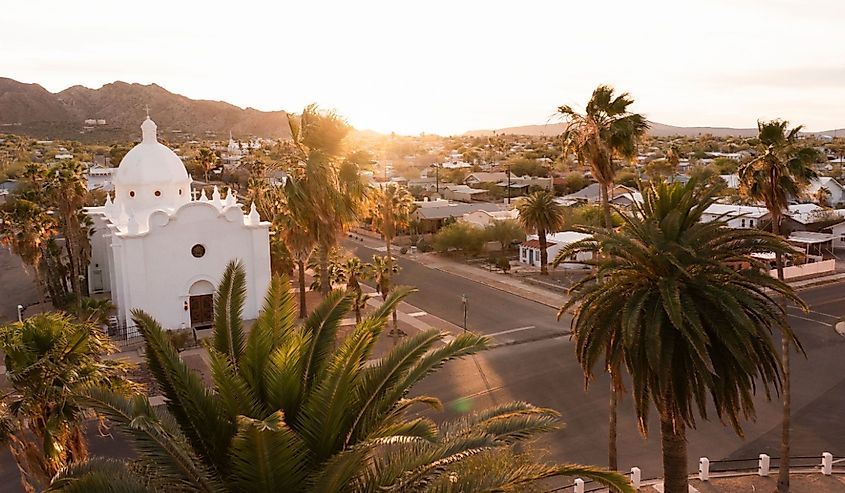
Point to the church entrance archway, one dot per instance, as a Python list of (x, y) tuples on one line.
[(201, 296)]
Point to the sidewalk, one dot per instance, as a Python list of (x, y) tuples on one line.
[(503, 282)]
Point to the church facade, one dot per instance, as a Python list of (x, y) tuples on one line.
[(160, 248)]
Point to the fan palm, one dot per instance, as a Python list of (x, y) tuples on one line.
[(332, 189), (49, 360), (392, 206), (666, 299), (207, 160), (26, 226), (781, 172), (605, 131), (66, 189), (539, 212), (384, 268), (352, 272), (288, 411), (287, 208)]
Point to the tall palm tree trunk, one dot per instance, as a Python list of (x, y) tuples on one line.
[(674, 443), (612, 455), (786, 391), (605, 205), (544, 254), (612, 452), (325, 282), (300, 264)]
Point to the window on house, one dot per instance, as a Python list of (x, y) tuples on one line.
[(743, 223), (751, 222)]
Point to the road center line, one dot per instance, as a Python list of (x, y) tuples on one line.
[(417, 314), (518, 329)]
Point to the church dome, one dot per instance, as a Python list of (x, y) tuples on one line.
[(150, 162)]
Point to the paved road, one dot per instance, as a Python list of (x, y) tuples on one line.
[(16, 286), (490, 311)]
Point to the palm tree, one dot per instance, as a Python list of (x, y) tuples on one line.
[(352, 272), (391, 207), (289, 411), (781, 172), (539, 212), (288, 209), (207, 161), (26, 226), (606, 130), (49, 360), (822, 196), (384, 268), (692, 331), (66, 189), (332, 188)]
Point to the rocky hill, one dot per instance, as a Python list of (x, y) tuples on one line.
[(30, 109)]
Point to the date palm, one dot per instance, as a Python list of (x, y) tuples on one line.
[(292, 409), (606, 130), (665, 299), (783, 171), (49, 360), (539, 212)]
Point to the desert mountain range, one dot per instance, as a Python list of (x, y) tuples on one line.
[(656, 130), (30, 109)]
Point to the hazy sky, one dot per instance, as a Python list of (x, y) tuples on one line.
[(450, 66)]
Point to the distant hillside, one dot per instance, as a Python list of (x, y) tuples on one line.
[(29, 109), (657, 130)]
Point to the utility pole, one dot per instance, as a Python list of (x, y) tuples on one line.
[(464, 300), (508, 171)]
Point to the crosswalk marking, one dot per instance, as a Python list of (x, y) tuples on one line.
[(518, 329)]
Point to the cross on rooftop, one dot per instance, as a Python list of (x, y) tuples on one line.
[(147, 108)]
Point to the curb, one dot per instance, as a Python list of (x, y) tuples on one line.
[(489, 285)]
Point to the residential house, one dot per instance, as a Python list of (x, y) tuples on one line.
[(810, 217), (464, 193), (529, 250), (486, 177), (592, 193), (737, 216), (482, 218), (731, 181), (837, 191), (838, 232), (100, 177), (431, 215)]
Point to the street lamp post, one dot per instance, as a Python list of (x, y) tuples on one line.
[(464, 303)]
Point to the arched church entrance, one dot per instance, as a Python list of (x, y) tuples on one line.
[(201, 295)]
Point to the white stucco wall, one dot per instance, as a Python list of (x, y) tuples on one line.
[(156, 269)]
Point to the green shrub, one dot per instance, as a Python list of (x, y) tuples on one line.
[(460, 236), (424, 246)]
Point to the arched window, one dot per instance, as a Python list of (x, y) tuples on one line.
[(132, 193), (158, 193)]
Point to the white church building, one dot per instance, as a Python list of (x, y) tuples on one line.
[(162, 249)]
